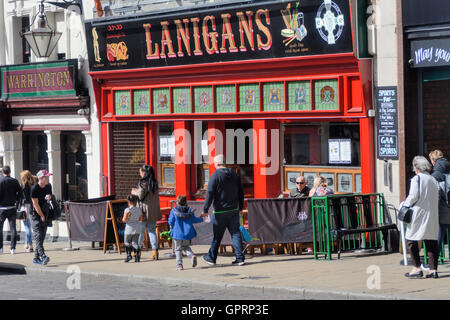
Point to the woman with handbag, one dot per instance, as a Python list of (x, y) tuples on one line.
[(423, 200), (27, 179), (147, 192)]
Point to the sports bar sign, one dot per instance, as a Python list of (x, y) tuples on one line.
[(38, 80), (258, 31)]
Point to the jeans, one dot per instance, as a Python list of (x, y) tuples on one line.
[(39, 232), (27, 225), (221, 222), (179, 246), (11, 216), (151, 227), (442, 232)]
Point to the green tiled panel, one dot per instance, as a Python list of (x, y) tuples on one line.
[(182, 100), (203, 99), (299, 95), (226, 98), (141, 101), (249, 98), (161, 101), (326, 94), (122, 100), (273, 96)]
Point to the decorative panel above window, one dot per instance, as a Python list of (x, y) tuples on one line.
[(273, 96), (299, 95), (326, 94), (226, 98), (182, 100), (141, 100), (122, 102), (161, 100), (249, 98), (203, 99)]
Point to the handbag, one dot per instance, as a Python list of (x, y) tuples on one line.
[(244, 232), (405, 213), (21, 213)]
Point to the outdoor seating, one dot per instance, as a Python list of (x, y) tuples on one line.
[(341, 217)]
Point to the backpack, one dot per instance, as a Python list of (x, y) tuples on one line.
[(444, 189)]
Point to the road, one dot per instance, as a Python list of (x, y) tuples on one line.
[(63, 286)]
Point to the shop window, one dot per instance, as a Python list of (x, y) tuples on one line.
[(249, 97), (226, 98), (35, 155), (331, 150), (161, 101), (166, 141), (201, 157)]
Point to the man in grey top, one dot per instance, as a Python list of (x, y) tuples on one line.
[(301, 190)]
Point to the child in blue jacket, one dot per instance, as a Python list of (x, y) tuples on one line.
[(181, 222)]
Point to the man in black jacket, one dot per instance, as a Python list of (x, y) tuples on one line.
[(10, 193), (226, 194)]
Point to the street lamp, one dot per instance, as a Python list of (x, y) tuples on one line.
[(44, 39)]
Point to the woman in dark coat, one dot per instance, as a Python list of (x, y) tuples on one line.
[(147, 192)]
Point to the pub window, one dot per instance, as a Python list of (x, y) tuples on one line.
[(201, 157), (166, 154), (35, 155)]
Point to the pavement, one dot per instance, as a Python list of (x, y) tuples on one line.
[(355, 276)]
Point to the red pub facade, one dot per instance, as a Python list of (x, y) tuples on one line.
[(277, 88)]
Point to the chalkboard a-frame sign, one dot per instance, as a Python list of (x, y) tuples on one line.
[(387, 123), (113, 223)]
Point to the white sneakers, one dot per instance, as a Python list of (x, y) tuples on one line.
[(13, 251), (1, 251)]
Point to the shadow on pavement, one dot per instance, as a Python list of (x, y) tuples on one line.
[(14, 268)]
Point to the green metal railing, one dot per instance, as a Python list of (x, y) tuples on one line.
[(443, 254), (346, 211)]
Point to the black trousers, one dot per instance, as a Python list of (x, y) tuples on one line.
[(11, 216), (39, 232), (432, 250)]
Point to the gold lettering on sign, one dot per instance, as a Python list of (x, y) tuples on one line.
[(247, 27), (183, 34)]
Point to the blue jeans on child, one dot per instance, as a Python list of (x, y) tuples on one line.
[(151, 227)]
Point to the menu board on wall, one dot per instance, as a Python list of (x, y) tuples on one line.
[(387, 123), (339, 151)]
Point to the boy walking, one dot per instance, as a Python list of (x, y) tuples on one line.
[(181, 222)]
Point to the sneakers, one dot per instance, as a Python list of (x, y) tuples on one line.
[(13, 251), (45, 260), (194, 261), (208, 260), (1, 250), (37, 261), (179, 267), (238, 262)]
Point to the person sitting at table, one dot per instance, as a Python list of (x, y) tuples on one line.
[(320, 188), (301, 189)]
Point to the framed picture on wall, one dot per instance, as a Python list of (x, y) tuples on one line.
[(309, 178), (330, 179), (345, 182), (291, 178)]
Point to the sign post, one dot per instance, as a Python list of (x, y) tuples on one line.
[(387, 123)]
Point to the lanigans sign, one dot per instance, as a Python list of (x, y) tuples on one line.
[(288, 29), (39, 80)]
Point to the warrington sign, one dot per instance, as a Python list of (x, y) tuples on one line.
[(37, 80), (288, 29)]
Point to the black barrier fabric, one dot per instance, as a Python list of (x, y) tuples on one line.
[(87, 221), (280, 220), (205, 230)]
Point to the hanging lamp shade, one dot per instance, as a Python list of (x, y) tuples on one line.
[(43, 39)]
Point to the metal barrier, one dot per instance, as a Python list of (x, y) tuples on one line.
[(443, 254), (348, 222)]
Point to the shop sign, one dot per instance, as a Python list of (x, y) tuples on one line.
[(37, 80), (387, 123), (430, 53), (287, 29)]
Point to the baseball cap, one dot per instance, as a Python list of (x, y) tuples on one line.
[(43, 173)]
